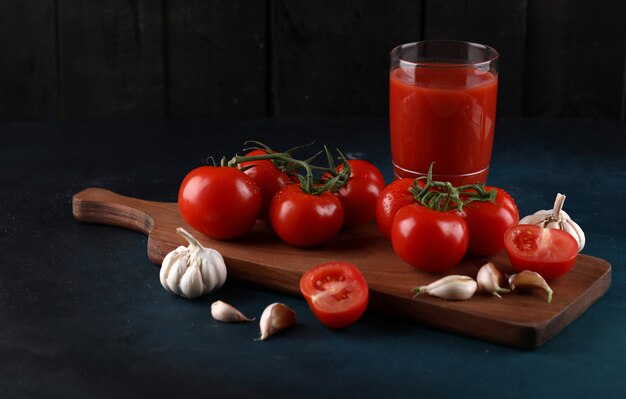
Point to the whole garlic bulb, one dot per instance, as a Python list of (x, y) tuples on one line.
[(194, 270), (557, 218)]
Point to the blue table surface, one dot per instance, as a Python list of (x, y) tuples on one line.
[(84, 315)]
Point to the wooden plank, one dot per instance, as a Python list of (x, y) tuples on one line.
[(111, 58), (332, 57), (525, 321), (216, 57), (28, 72), (576, 52), (499, 24), (623, 110)]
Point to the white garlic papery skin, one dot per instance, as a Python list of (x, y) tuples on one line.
[(221, 311), (194, 270), (454, 287), (557, 218), (530, 279), (276, 317)]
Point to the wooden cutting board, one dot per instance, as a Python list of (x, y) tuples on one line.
[(522, 320)]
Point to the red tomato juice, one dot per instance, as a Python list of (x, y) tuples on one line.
[(442, 115)]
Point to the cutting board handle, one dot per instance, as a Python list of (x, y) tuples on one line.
[(97, 205)]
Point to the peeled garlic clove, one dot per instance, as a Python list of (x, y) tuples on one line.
[(454, 287), (490, 279), (221, 311), (276, 317), (531, 280)]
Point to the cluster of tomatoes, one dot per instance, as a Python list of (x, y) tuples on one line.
[(224, 202), (431, 225)]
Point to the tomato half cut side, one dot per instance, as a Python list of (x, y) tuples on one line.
[(549, 252), (336, 292)]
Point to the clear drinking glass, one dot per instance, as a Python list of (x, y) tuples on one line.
[(442, 109)]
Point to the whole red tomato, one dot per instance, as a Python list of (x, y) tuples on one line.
[(360, 192), (336, 292), (430, 240), (487, 222), (268, 177), (221, 202), (549, 252), (393, 198), (304, 220)]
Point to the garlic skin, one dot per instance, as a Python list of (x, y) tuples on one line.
[(276, 317), (192, 271), (454, 287), (221, 311), (557, 218), (530, 279), (490, 279)]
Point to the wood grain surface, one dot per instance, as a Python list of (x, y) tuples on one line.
[(332, 57), (563, 73), (216, 58), (111, 59), (523, 319), (29, 65)]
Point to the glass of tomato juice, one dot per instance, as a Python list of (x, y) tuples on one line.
[(442, 109)]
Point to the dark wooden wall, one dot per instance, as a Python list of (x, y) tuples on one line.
[(81, 59)]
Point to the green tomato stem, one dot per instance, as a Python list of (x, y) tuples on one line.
[(307, 182), (443, 196)]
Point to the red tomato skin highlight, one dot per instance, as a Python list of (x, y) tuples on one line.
[(221, 202), (487, 222), (360, 193), (429, 240), (393, 198), (305, 220), (354, 293), (268, 177), (549, 252)]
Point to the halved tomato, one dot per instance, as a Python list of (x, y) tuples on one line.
[(336, 292), (549, 252)]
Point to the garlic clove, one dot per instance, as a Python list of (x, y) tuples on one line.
[(490, 279), (574, 229), (212, 266), (276, 317), (168, 262), (226, 313), (176, 272), (553, 225), (530, 280), (191, 281), (454, 287)]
